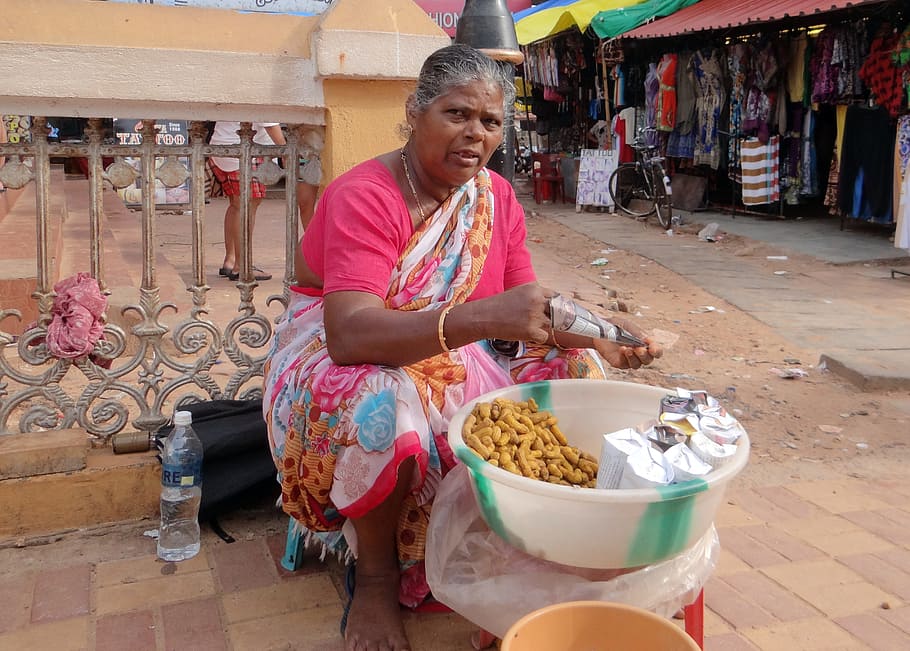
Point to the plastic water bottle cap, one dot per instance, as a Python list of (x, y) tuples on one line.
[(183, 418)]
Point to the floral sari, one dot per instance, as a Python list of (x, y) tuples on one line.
[(339, 433)]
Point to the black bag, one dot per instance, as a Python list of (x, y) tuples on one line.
[(237, 461)]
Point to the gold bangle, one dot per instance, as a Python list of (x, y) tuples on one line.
[(553, 337), (439, 328)]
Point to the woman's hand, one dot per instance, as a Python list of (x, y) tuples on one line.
[(625, 357), (517, 314)]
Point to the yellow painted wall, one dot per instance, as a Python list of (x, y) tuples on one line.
[(363, 119), (110, 24)]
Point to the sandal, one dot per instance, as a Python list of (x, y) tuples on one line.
[(258, 274), (224, 271)]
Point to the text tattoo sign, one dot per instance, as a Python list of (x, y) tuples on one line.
[(167, 132), (594, 172)]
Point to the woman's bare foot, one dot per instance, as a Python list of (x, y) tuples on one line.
[(374, 621)]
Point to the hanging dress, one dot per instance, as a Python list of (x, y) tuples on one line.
[(708, 105), (666, 94), (652, 90)]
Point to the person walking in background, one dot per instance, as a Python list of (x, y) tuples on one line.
[(227, 171)]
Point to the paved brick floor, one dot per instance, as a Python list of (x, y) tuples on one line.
[(804, 565), (810, 565)]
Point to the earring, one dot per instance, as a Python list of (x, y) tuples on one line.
[(405, 131)]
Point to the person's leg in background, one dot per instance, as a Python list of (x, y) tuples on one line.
[(232, 234), (309, 175), (230, 184)]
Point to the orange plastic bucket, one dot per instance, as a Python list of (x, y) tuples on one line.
[(595, 626)]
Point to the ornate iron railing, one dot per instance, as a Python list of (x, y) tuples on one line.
[(136, 375)]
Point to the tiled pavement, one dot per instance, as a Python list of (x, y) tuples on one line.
[(821, 565), (811, 565)]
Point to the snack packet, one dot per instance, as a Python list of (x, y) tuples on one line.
[(686, 464), (616, 448), (646, 467)]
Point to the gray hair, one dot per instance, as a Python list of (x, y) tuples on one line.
[(457, 65)]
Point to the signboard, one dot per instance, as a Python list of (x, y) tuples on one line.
[(17, 128), (594, 172), (169, 132), (306, 7), (444, 13)]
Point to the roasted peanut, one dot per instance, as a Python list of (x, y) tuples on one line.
[(519, 438)]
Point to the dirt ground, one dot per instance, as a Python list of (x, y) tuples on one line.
[(800, 428)]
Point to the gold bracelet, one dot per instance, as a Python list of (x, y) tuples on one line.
[(553, 337), (439, 328)]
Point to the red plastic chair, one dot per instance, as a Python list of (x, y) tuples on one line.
[(546, 172)]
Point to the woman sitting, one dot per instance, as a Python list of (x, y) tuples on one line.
[(412, 263)]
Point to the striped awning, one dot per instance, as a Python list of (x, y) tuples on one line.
[(555, 16), (708, 15)]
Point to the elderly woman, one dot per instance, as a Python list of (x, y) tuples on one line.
[(414, 261)]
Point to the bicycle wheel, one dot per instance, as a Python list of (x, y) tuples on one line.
[(630, 191), (663, 195)]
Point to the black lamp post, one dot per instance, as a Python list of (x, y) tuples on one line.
[(488, 26)]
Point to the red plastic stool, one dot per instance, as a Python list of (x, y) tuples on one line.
[(695, 619)]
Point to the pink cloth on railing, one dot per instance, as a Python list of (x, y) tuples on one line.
[(76, 323)]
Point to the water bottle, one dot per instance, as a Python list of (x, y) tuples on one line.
[(181, 491)]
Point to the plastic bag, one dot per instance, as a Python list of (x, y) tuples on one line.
[(492, 584)]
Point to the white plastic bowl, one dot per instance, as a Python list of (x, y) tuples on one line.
[(585, 527)]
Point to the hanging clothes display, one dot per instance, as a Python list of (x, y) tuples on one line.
[(834, 64), (902, 184), (738, 69), (808, 164), (652, 90), (711, 96), (797, 67), (624, 134), (619, 85), (566, 92), (759, 169), (867, 159), (666, 95), (834, 173), (782, 99), (791, 153), (757, 112), (881, 74), (681, 143)]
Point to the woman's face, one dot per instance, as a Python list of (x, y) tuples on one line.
[(456, 135)]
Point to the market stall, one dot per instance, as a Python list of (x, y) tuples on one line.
[(779, 107)]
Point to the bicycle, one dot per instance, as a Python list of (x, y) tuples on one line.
[(642, 188)]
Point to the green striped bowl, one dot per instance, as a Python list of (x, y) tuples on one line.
[(585, 527)]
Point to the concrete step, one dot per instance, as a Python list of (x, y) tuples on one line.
[(110, 488)]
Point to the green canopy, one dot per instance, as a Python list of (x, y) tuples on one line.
[(616, 22)]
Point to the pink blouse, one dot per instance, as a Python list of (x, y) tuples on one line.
[(361, 226)]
